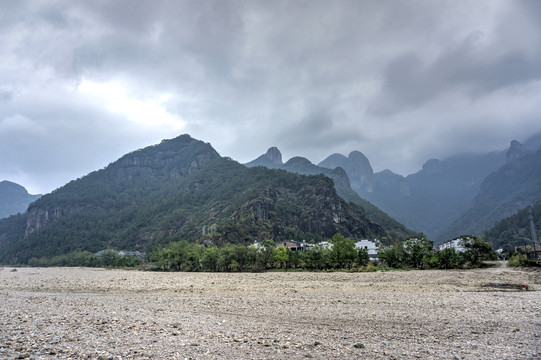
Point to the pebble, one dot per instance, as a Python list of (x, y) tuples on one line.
[(112, 314)]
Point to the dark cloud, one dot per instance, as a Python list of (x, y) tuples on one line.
[(83, 82), (410, 83)]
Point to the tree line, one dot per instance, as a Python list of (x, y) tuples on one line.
[(185, 256), (339, 254)]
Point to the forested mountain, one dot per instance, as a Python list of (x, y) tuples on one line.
[(514, 186), (14, 199), (180, 189), (299, 165), (514, 230)]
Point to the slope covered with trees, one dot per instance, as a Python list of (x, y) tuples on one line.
[(514, 230), (180, 189), (299, 165)]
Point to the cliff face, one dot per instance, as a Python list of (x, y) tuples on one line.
[(38, 218)]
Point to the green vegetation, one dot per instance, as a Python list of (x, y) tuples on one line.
[(338, 254), (517, 260), (417, 253), (186, 256), (515, 230), (108, 258), (172, 191)]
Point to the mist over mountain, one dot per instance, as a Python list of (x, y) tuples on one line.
[(180, 189), (443, 191), (511, 188), (426, 201), (14, 198)]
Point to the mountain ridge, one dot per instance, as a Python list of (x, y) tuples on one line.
[(341, 179), (173, 191)]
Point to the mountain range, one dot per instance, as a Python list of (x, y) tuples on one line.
[(180, 189), (465, 194), (183, 189)]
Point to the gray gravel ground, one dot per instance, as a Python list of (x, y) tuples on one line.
[(78, 313)]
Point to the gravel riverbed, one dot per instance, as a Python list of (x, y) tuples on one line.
[(80, 313)]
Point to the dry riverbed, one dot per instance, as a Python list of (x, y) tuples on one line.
[(77, 313)]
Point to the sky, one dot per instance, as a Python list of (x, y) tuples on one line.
[(84, 82)]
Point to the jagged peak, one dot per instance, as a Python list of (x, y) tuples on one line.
[(271, 159), (274, 155), (516, 150), (358, 161), (432, 166)]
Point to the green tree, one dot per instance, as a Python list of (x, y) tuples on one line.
[(417, 251), (209, 260), (280, 257), (393, 256), (477, 251), (342, 254), (446, 259), (316, 257), (266, 253), (362, 257)]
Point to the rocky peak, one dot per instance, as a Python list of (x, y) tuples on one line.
[(274, 155), (14, 198), (340, 177), (516, 150), (272, 159), (432, 166), (12, 188), (360, 163)]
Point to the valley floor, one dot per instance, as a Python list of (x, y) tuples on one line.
[(61, 313)]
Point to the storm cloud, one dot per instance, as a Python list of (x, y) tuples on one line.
[(82, 83)]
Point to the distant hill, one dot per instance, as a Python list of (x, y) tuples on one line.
[(180, 189), (514, 186), (427, 201), (299, 165), (515, 230), (14, 199)]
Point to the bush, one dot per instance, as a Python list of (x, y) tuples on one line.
[(517, 260)]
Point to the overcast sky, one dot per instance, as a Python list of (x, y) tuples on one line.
[(84, 82)]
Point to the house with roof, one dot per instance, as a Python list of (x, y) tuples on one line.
[(370, 246), (456, 243), (295, 245)]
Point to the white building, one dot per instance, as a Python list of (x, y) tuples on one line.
[(368, 245), (456, 243)]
